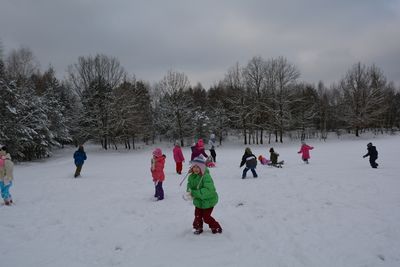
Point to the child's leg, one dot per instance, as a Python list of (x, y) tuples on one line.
[(212, 223), (213, 155), (254, 172), (5, 191), (78, 170), (179, 167), (244, 172), (159, 191), (198, 219)]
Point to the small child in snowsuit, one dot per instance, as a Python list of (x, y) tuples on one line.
[(201, 189), (198, 149), (305, 151), (250, 160), (157, 172), (274, 159), (373, 155), (263, 160), (79, 159), (6, 175), (178, 157)]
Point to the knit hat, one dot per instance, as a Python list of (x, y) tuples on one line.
[(157, 152), (369, 144), (200, 162), (200, 143)]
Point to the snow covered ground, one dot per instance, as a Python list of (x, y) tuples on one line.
[(336, 211)]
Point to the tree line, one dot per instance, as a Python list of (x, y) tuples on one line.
[(262, 101)]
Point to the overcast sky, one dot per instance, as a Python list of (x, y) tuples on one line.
[(204, 38)]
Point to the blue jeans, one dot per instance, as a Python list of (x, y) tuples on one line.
[(5, 194), (253, 170)]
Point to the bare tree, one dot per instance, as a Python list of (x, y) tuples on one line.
[(21, 65), (281, 78), (363, 96), (93, 69)]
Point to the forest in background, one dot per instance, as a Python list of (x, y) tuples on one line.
[(263, 100)]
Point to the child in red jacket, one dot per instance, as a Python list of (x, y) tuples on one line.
[(157, 172), (178, 157), (305, 151)]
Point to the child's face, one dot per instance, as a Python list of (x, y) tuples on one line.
[(196, 169)]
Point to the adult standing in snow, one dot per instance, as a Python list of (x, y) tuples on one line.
[(211, 144), (201, 189), (198, 150), (250, 160), (6, 175), (157, 172), (305, 151), (178, 157), (373, 155), (79, 159)]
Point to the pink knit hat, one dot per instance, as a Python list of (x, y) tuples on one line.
[(199, 162), (200, 143), (157, 152)]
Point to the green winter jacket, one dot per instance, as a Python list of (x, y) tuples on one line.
[(203, 190)]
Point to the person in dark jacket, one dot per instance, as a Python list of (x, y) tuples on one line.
[(373, 155), (251, 162), (274, 159), (79, 158)]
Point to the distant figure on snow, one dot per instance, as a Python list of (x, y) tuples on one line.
[(263, 160), (305, 151), (250, 160), (178, 157), (211, 144), (157, 172), (373, 155), (79, 158), (6, 175), (274, 159)]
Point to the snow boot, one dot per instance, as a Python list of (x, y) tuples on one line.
[(197, 231), (216, 231)]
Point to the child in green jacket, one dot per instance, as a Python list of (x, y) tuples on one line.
[(201, 188)]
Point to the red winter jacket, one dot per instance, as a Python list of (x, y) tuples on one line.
[(305, 150), (157, 168), (178, 155)]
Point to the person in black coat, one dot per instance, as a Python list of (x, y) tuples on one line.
[(251, 162), (373, 155)]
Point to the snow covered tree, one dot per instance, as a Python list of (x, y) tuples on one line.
[(174, 111)]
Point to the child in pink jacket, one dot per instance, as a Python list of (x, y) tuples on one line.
[(305, 151), (178, 157), (157, 172)]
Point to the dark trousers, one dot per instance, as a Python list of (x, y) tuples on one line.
[(159, 191), (213, 155), (201, 215), (373, 163), (78, 170), (253, 170), (179, 167)]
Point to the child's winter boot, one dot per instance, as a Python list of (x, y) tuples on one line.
[(197, 231)]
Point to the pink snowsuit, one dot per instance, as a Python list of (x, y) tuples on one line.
[(178, 155), (305, 150), (157, 168)]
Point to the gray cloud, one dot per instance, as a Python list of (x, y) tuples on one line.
[(204, 38)]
